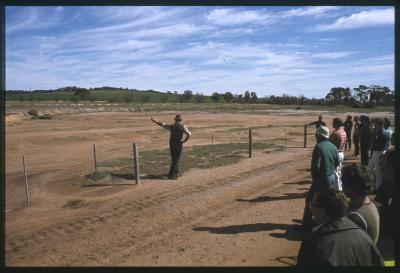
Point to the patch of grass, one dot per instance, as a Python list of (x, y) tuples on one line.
[(154, 163), (295, 133), (72, 203), (115, 162), (97, 175)]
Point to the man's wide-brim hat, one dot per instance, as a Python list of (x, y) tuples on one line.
[(178, 117), (322, 131)]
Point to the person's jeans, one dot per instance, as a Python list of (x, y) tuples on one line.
[(338, 172), (348, 142), (356, 141), (317, 185), (176, 151), (375, 167)]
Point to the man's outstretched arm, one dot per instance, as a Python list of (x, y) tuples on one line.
[(156, 121)]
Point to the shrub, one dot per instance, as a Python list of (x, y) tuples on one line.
[(33, 113)]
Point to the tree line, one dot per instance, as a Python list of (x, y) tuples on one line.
[(361, 96)]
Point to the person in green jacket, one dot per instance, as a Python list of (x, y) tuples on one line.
[(325, 159), (336, 240)]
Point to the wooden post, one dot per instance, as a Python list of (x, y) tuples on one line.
[(136, 162), (212, 146), (250, 143), (305, 135), (94, 156), (26, 181), (284, 128)]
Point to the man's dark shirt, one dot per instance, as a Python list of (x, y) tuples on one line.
[(380, 140), (318, 124), (348, 125)]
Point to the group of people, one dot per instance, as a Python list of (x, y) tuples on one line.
[(343, 221)]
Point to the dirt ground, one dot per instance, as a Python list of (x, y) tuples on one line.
[(241, 214)]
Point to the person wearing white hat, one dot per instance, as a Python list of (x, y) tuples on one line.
[(325, 160)]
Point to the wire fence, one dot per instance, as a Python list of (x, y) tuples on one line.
[(100, 164)]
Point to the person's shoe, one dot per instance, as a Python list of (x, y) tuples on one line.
[(172, 177)]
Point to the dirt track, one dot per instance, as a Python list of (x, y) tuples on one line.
[(236, 215)]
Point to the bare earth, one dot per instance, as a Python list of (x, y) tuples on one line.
[(236, 215)]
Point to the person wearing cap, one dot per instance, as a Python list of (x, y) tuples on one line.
[(365, 134), (318, 123), (175, 143), (325, 160)]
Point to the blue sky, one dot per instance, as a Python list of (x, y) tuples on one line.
[(269, 50)]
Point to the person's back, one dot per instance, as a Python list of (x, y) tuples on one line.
[(358, 184), (177, 131), (366, 216), (324, 160), (339, 243)]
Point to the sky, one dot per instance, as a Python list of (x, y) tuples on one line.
[(303, 50)]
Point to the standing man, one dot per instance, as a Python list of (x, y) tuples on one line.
[(356, 136), (336, 240), (339, 138), (380, 144), (318, 123), (365, 130), (175, 143), (325, 160), (348, 126)]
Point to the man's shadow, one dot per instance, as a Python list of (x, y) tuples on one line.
[(290, 232), (267, 198)]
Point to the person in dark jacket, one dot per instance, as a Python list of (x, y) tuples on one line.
[(365, 130), (325, 160), (348, 126), (337, 240), (175, 143), (356, 136)]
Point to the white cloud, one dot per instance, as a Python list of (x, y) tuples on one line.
[(332, 55), (310, 11), (236, 17), (375, 17)]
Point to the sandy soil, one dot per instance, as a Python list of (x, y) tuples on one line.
[(237, 215)]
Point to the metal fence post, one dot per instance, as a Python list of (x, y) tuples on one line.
[(250, 142), (136, 162), (26, 181)]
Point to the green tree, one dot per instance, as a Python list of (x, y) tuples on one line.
[(199, 98), (246, 97), (187, 95), (228, 97), (215, 97), (253, 97)]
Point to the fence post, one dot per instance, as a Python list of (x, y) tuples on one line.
[(250, 143), (305, 135), (26, 181), (284, 128), (212, 145), (94, 156), (136, 162)]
